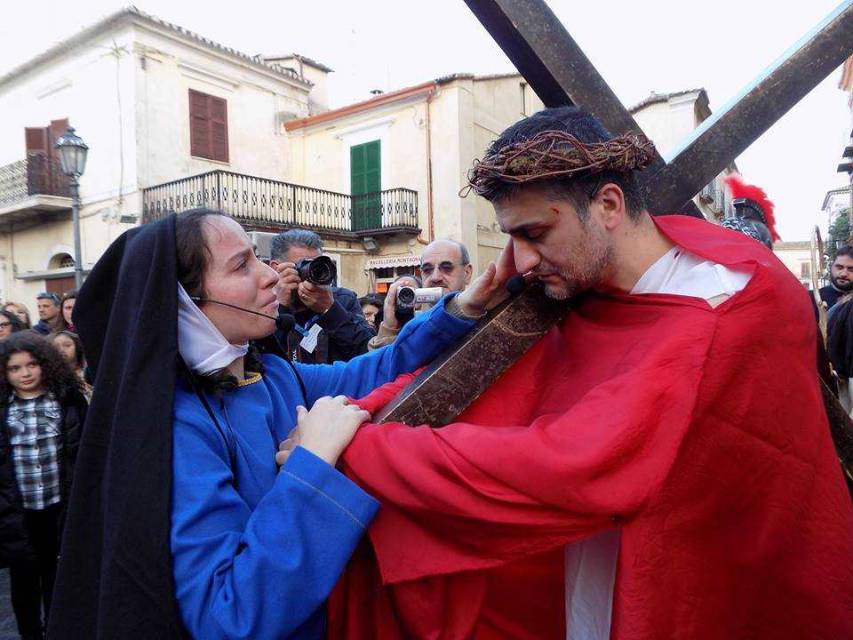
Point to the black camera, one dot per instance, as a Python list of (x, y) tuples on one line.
[(320, 270)]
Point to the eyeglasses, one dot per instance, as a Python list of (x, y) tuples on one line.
[(445, 267), (3, 325)]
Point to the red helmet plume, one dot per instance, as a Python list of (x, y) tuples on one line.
[(739, 189)]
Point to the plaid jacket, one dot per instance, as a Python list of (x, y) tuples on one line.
[(35, 435), (13, 541)]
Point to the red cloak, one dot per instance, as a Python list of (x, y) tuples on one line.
[(699, 432)]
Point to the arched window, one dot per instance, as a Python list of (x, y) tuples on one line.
[(61, 261)]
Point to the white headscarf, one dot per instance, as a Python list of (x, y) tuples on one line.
[(201, 344)]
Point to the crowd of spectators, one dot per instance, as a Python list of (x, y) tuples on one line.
[(43, 402)]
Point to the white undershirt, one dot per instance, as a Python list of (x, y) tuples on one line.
[(590, 565)]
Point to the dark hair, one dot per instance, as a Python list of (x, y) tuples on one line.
[(61, 325), (79, 359), (53, 297), (69, 295), (193, 257), (846, 250), (578, 190), (375, 300), (193, 252), (371, 298), (11, 317), (281, 244), (22, 307), (57, 375)]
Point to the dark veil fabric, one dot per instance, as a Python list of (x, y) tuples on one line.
[(115, 578), (840, 343)]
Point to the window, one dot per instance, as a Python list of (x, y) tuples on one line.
[(60, 261), (43, 170), (208, 126), (805, 270), (365, 185)]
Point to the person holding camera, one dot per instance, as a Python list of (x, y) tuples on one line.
[(329, 324), (394, 315), (445, 267), (445, 263)]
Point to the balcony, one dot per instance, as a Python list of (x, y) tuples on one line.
[(263, 204), (33, 189)]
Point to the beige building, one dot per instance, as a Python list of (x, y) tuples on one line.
[(797, 256), (155, 103), (423, 138), (176, 121), (667, 119)]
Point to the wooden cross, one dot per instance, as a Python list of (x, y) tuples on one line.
[(560, 74)]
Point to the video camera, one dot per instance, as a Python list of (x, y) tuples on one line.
[(408, 297)]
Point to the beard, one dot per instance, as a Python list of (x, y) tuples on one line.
[(591, 260), (842, 285)]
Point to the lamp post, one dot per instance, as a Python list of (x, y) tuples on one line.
[(72, 156)]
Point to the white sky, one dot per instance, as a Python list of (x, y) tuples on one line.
[(660, 45)]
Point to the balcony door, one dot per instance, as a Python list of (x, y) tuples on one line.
[(365, 185), (44, 174)]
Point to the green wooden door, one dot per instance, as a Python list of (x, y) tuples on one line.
[(365, 185)]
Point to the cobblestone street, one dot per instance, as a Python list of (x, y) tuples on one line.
[(8, 630)]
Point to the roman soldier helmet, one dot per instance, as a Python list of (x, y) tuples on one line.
[(753, 211)]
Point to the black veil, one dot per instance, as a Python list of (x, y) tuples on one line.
[(115, 578)]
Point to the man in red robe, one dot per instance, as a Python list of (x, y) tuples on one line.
[(659, 465)]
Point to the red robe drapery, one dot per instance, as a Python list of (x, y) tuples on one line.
[(699, 432)]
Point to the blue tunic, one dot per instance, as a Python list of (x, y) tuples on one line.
[(256, 550)]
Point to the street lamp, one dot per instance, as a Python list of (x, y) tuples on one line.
[(72, 156)]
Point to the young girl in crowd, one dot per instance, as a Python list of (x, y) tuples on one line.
[(21, 311), (9, 324), (42, 412), (69, 345)]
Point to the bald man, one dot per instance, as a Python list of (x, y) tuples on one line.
[(445, 263)]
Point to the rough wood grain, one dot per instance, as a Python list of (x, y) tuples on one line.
[(457, 378)]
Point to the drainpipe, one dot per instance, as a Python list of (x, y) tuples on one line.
[(430, 220)]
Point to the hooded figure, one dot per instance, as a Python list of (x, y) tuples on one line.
[(180, 520)]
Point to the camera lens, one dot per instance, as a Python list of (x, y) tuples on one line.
[(320, 270), (405, 296)]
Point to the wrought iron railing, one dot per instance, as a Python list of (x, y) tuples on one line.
[(272, 203), (36, 175)]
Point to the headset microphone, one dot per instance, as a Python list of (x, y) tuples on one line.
[(283, 321)]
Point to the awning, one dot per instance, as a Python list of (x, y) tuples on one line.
[(386, 262)]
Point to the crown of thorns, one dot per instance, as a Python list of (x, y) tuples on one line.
[(555, 154)]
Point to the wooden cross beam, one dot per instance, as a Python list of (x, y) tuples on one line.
[(560, 74)]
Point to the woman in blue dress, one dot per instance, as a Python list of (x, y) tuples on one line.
[(181, 522)]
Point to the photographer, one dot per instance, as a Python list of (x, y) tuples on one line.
[(324, 313), (444, 263), (393, 317)]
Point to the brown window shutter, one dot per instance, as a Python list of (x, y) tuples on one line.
[(219, 129), (37, 140), (199, 125), (57, 129)]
